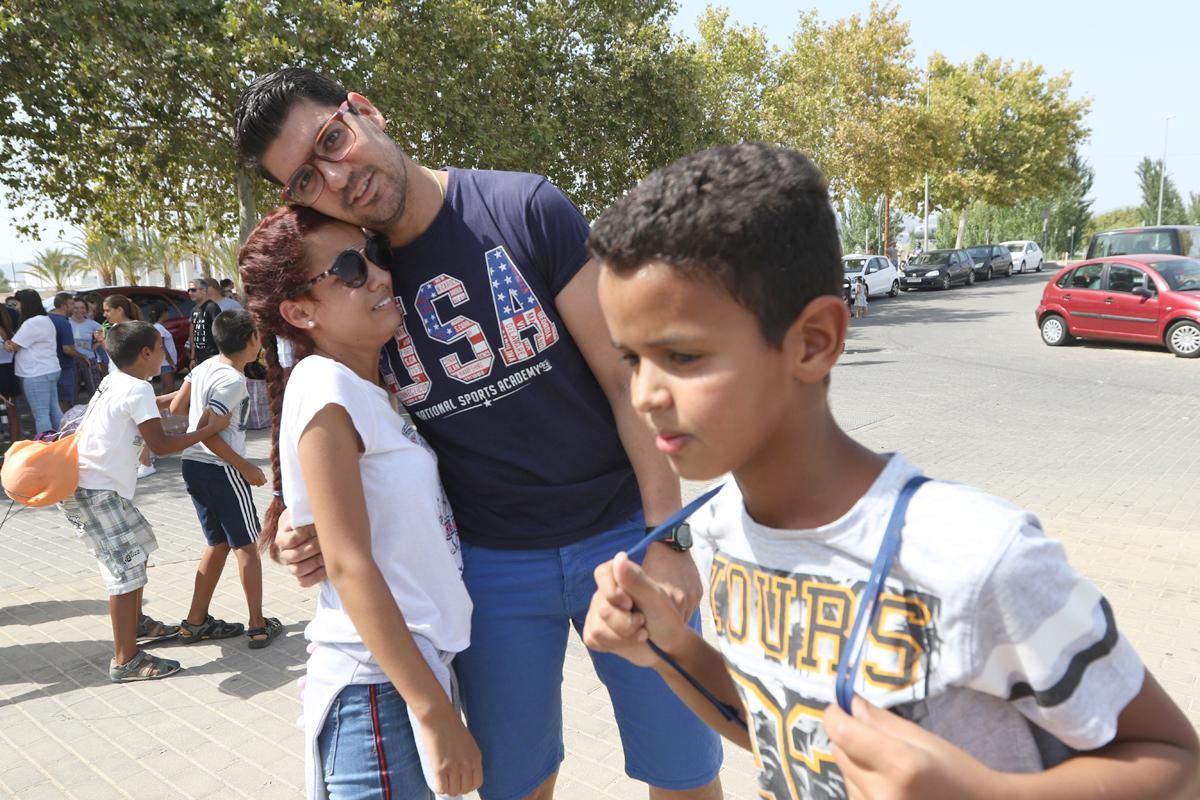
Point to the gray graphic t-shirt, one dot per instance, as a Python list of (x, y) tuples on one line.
[(984, 634)]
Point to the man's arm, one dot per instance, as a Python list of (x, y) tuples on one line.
[(579, 307)]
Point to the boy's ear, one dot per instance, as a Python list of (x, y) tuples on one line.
[(298, 312), (814, 342)]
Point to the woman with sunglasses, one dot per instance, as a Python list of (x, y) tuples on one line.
[(379, 719)]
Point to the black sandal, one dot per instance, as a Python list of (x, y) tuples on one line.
[(150, 630), (271, 628), (208, 630)]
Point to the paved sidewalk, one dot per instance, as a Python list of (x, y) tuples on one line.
[(1100, 441)]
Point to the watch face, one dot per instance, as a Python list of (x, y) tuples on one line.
[(683, 535)]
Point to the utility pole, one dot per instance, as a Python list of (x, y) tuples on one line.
[(1162, 166)]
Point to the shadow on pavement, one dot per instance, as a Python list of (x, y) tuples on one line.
[(50, 611), (55, 667)]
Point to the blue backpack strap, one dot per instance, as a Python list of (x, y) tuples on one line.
[(852, 651)]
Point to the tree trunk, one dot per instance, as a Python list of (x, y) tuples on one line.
[(247, 201), (887, 222), (962, 227)]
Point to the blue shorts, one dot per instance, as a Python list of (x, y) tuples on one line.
[(511, 676), (223, 503)]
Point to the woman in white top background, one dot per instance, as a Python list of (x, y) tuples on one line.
[(379, 718), (36, 361)]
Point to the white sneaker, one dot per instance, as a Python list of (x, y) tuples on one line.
[(144, 470)]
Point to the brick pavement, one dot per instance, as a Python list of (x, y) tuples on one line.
[(1100, 441)]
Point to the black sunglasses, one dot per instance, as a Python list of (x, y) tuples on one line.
[(350, 266)]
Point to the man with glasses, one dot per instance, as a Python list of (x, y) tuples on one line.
[(205, 292), (506, 367)]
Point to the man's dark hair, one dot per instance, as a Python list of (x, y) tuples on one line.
[(226, 284), (206, 283), (125, 340), (63, 299), (266, 103), (232, 331), (753, 217)]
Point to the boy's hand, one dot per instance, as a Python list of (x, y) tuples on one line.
[(884, 757), (454, 757), (253, 474), (215, 423), (300, 551), (628, 608)]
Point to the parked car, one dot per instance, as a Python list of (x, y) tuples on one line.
[(938, 269), (1135, 298), (880, 273), (990, 260), (1180, 240), (1027, 255), (178, 319)]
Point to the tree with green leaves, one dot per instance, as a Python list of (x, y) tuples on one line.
[(55, 267), (1128, 217), (1149, 173), (1017, 130), (738, 69), (101, 253), (120, 113)]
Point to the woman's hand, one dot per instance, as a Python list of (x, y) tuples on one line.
[(453, 755)]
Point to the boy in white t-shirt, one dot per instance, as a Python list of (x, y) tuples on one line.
[(1002, 669), (218, 478), (121, 417)]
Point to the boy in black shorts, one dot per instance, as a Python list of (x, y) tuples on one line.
[(219, 478)]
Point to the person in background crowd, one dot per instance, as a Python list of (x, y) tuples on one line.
[(9, 387), (36, 347), (167, 373), (68, 357), (205, 293), (84, 329), (229, 300)]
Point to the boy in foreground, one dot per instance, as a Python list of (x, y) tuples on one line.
[(218, 478), (1001, 668), (121, 417)]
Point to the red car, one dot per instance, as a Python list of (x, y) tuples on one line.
[(1133, 298), (178, 319)]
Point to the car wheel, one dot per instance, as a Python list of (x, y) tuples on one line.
[(895, 290), (1054, 330), (1021, 269), (1183, 339), (971, 278), (1039, 267), (946, 281), (988, 275)]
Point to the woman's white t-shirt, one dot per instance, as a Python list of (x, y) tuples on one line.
[(414, 542), (38, 354)]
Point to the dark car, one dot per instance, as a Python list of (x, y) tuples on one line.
[(938, 269), (179, 309), (1137, 298), (990, 260), (1178, 240)]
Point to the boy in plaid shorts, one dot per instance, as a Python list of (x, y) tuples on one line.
[(121, 418)]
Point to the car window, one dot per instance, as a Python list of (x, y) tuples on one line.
[(930, 259), (1181, 274), (1127, 243), (853, 266), (1189, 242), (1125, 279), (1085, 277), (979, 252), (1016, 247)]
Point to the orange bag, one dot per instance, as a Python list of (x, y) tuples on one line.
[(39, 474)]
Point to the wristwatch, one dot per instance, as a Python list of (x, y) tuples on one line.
[(679, 537)]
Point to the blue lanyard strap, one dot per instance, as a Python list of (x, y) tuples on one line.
[(679, 516), (852, 651)]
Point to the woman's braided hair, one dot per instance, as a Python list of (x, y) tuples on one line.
[(274, 265)]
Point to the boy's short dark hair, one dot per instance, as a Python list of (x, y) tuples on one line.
[(232, 331), (753, 217), (265, 104), (125, 340)]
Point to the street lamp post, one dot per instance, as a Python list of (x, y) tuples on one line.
[(1162, 166), (925, 246)]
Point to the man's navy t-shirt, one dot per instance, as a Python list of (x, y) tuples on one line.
[(64, 335), (526, 441)]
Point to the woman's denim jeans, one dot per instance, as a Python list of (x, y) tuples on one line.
[(41, 392)]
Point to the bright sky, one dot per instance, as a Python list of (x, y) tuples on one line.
[(1136, 62)]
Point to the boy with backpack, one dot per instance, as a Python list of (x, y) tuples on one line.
[(977, 664), (121, 417), (218, 478)]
